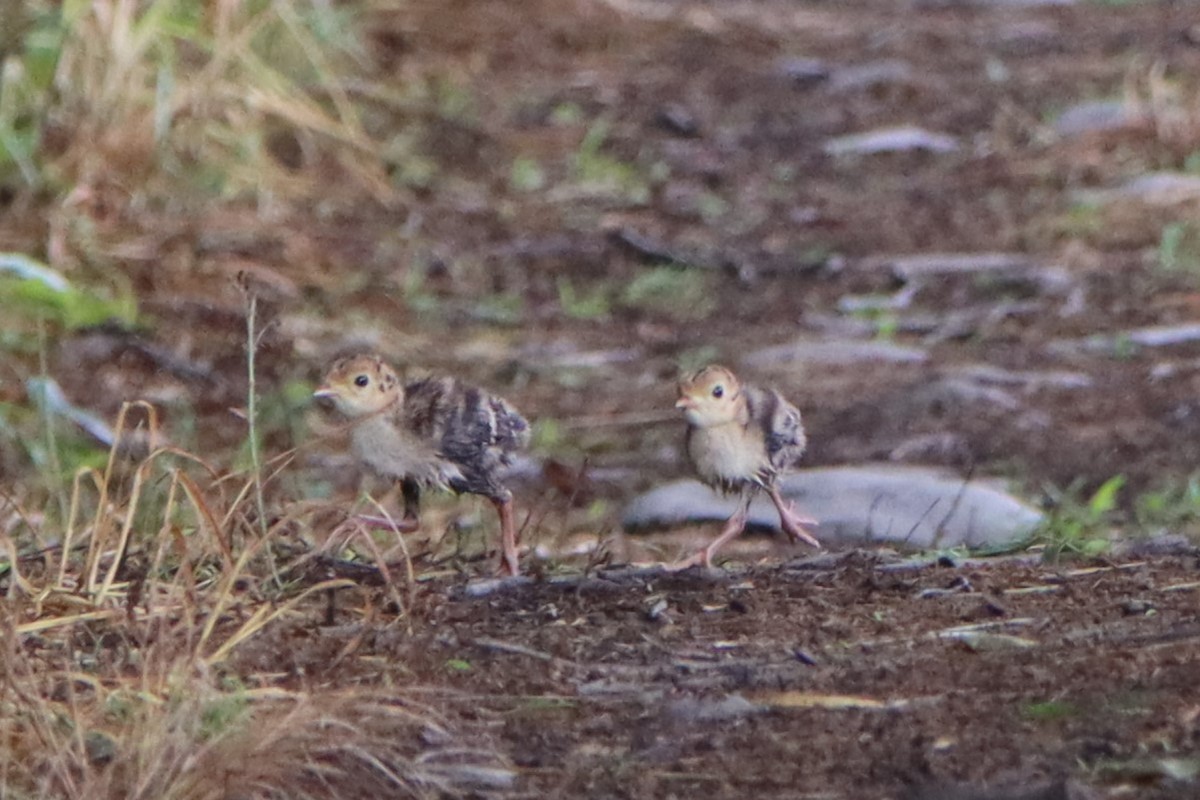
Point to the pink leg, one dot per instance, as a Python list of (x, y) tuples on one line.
[(735, 525), (792, 523), (508, 536)]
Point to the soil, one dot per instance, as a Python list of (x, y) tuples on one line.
[(856, 675), (833, 679)]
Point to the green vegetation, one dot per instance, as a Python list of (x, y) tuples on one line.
[(601, 174), (1173, 507), (527, 175), (1179, 248), (182, 98), (32, 292), (577, 304), (682, 293), (1049, 710), (1080, 528)]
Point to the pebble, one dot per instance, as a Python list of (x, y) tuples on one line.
[(705, 709), (901, 139), (871, 75), (803, 71), (992, 3), (1154, 336), (925, 265), (1095, 117), (811, 351), (1152, 189)]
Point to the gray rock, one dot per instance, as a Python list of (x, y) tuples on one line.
[(901, 139), (1028, 37), (1152, 189), (912, 507), (859, 303), (711, 709), (1155, 336), (1095, 117), (935, 265), (1030, 380), (963, 393), (871, 75), (803, 71), (811, 351), (999, 270), (1165, 335), (991, 3)]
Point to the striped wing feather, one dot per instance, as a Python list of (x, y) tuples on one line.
[(475, 430), (779, 420)]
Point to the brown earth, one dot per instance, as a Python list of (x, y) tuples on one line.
[(835, 679), (851, 676)]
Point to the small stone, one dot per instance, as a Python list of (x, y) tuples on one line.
[(1029, 38), (871, 75), (703, 709), (1136, 608), (1095, 117), (803, 71), (1161, 189), (901, 139), (810, 351), (991, 3), (925, 265), (804, 657), (985, 642), (678, 120), (656, 609)]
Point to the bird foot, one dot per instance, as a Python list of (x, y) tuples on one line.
[(794, 525), (509, 565)]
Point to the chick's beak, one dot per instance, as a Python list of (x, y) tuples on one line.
[(323, 392), (685, 403)]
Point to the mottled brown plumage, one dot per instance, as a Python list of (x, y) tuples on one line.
[(739, 439), (433, 432)]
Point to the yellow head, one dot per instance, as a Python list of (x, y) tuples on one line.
[(712, 396), (361, 385)]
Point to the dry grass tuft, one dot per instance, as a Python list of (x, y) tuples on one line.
[(142, 102), (115, 678), (77, 735)]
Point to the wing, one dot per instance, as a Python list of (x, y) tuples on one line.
[(779, 420), (475, 430)]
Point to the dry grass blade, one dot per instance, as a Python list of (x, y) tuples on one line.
[(264, 615), (100, 529), (196, 497)]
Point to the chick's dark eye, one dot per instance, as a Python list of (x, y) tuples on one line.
[(718, 391), (361, 380)]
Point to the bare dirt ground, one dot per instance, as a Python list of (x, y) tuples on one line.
[(853, 676), (848, 676)]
